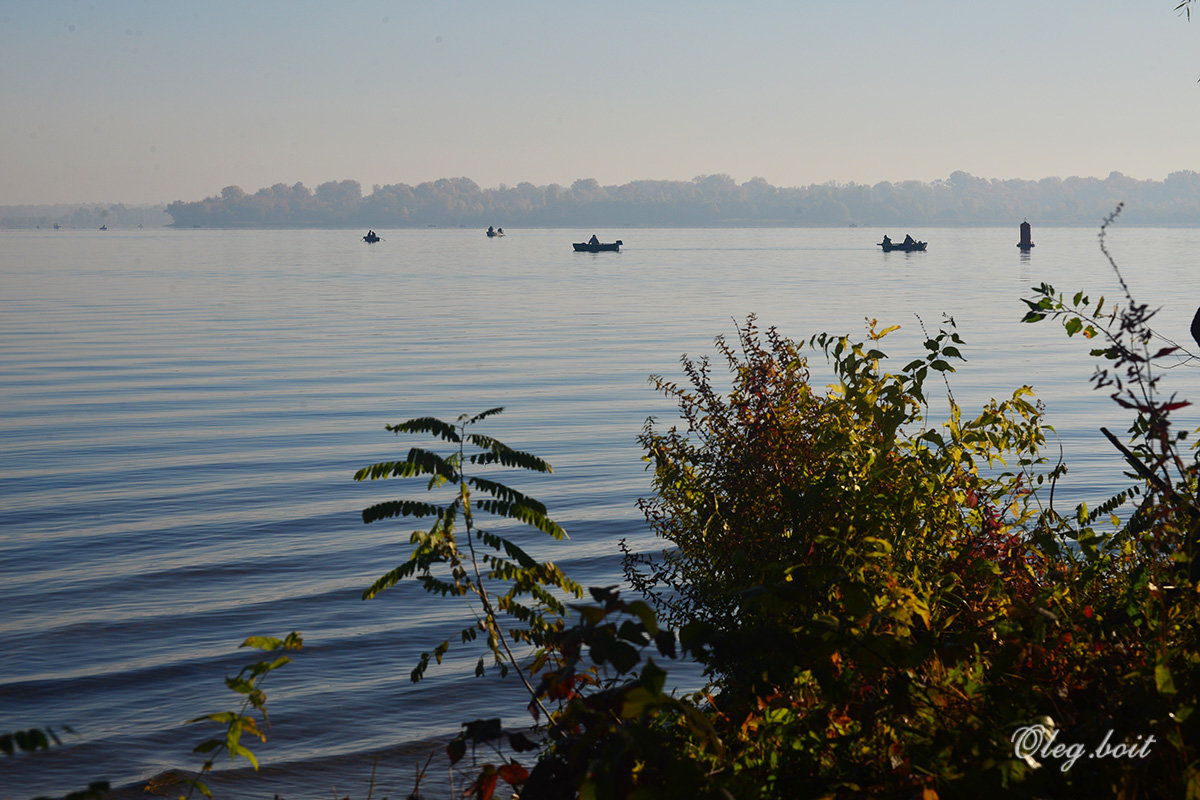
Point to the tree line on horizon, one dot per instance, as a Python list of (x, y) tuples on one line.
[(706, 200)]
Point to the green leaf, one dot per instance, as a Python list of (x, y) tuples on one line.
[(263, 643), (484, 415), (511, 550), (418, 671), (220, 716), (523, 513), (391, 578), (431, 425), (208, 746), (497, 453), (241, 750), (418, 462), (645, 614), (505, 493), (401, 508), (1163, 679)]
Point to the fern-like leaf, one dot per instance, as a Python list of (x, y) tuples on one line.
[(497, 452), (418, 462), (401, 508), (432, 425), (390, 579), (511, 550), (484, 415), (522, 513), (505, 493)]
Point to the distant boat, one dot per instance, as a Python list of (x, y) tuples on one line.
[(1026, 236), (493, 232), (103, 227), (371, 238), (907, 247), (600, 247)]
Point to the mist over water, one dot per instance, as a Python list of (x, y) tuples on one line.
[(182, 412)]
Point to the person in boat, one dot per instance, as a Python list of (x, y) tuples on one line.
[(500, 230), (491, 231), (908, 239), (887, 240), (593, 240)]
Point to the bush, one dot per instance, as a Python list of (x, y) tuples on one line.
[(885, 605)]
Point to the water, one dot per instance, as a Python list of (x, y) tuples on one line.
[(181, 413)]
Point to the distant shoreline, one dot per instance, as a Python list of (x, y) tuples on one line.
[(711, 201), (5, 225)]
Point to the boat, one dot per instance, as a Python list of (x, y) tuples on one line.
[(493, 232), (371, 237), (906, 247), (599, 247), (103, 227)]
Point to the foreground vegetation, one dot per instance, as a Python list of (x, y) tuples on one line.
[(885, 605)]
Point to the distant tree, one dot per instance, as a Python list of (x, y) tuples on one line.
[(717, 199)]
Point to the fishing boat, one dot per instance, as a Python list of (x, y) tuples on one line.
[(371, 237), (494, 232), (909, 245), (598, 247)]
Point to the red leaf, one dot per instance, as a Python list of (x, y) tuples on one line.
[(485, 785), (513, 773)]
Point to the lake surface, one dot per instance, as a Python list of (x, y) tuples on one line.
[(181, 414)]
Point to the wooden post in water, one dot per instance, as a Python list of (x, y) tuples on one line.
[(1026, 236)]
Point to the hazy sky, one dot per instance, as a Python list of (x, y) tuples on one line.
[(161, 100)]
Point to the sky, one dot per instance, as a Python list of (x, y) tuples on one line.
[(151, 101)]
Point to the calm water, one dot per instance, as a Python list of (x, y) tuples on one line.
[(181, 413)]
